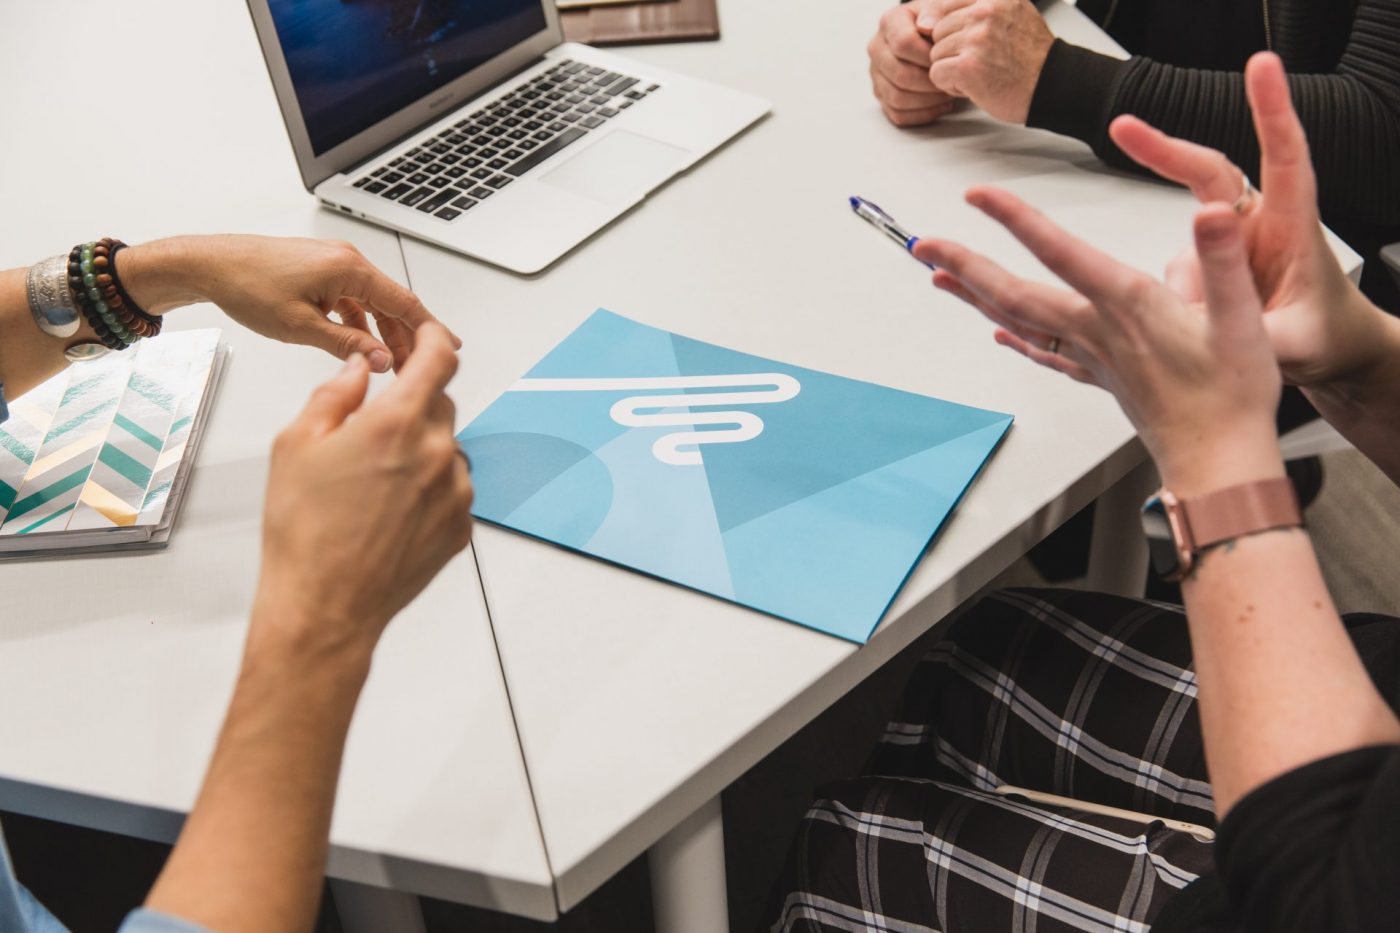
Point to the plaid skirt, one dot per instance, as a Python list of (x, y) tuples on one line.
[(1082, 695)]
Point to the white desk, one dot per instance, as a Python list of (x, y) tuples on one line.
[(114, 672), (637, 703)]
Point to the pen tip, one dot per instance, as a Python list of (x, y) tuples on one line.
[(855, 202)]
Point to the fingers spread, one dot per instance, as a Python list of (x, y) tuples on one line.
[(1226, 280), (1286, 171), (1056, 361), (1092, 273), (334, 401), (1027, 304), (428, 369), (1209, 175)]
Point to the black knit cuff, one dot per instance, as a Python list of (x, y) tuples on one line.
[(1073, 94)]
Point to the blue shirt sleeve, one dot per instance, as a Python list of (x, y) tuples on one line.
[(148, 921)]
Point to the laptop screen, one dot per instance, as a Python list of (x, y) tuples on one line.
[(355, 62)]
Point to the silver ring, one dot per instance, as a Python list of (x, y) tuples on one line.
[(1245, 201), (1053, 346)]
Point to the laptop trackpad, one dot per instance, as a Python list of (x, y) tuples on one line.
[(620, 167)]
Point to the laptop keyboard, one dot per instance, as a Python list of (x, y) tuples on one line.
[(452, 172)]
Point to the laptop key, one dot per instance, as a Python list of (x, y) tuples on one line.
[(439, 199), (363, 181), (481, 192), (396, 192), (624, 104), (455, 171), (375, 187), (472, 162), (393, 178), (464, 203), (526, 144), (619, 86), (567, 138), (433, 169), (482, 174), (585, 108), (652, 88), (592, 122), (448, 213), (499, 181), (497, 163), (571, 117), (533, 125), (608, 112), (544, 135), (599, 99), (439, 182), (462, 184), (414, 197), (417, 178), (635, 95), (510, 155)]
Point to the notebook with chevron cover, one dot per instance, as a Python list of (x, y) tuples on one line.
[(798, 493), (97, 457)]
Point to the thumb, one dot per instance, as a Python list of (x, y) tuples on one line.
[(334, 401), (343, 341), (1226, 280)]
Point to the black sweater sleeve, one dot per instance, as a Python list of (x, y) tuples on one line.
[(1352, 115), (1318, 849)]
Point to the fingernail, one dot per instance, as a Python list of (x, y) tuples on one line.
[(352, 362), (380, 360), (927, 21)]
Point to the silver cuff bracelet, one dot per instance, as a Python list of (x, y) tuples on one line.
[(50, 299)]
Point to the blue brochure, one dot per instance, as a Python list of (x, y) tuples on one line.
[(800, 494)]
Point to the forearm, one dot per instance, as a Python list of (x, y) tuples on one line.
[(1352, 118), (253, 851), (159, 276), (1279, 682), (1365, 408)]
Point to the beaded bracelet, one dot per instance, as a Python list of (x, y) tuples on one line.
[(122, 299), (117, 321)]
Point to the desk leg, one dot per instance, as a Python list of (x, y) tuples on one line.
[(1118, 550), (687, 875), (367, 909)]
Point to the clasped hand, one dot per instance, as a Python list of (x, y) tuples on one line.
[(929, 53)]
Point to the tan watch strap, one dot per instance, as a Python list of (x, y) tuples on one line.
[(1242, 510)]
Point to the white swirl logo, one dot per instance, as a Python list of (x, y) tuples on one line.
[(647, 411)]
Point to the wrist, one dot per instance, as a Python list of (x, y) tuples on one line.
[(1219, 463), (164, 274), (1375, 373), (289, 631)]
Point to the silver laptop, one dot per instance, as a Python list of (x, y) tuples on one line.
[(469, 123)]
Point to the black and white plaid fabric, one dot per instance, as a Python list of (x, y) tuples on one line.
[(1083, 695)]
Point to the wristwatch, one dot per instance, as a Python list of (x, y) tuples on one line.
[(1178, 530)]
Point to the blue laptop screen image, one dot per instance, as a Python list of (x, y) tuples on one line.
[(356, 62), (801, 494)]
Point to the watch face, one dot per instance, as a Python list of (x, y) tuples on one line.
[(86, 350), (1160, 543)]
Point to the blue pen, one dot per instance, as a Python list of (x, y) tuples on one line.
[(871, 213)]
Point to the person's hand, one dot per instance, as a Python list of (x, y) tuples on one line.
[(365, 503), (1198, 380), (1322, 328), (990, 51), (899, 60), (286, 289)]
